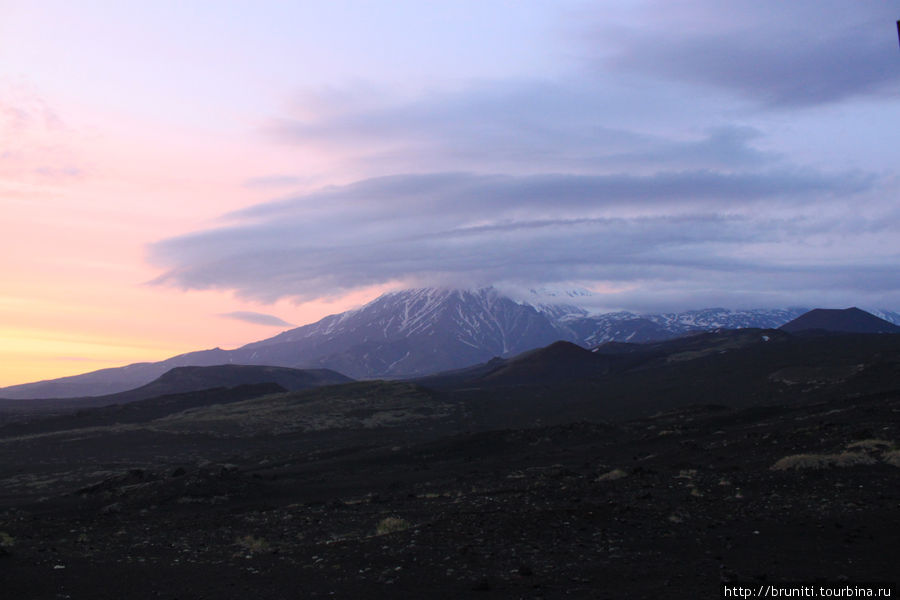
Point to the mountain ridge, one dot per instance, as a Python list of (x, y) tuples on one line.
[(412, 333)]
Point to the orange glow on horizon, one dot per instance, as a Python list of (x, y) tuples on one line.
[(82, 337)]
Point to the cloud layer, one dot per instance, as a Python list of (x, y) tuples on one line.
[(779, 54), (702, 232), (256, 318), (654, 169)]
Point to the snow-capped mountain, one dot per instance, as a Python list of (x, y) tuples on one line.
[(412, 332), (421, 331), (560, 312)]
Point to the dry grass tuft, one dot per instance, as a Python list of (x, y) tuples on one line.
[(613, 475), (870, 444), (6, 540), (253, 544), (822, 461), (892, 458), (677, 517), (391, 525)]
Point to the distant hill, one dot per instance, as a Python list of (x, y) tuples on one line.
[(848, 320), (565, 363), (186, 380), (735, 368), (181, 380), (558, 363)]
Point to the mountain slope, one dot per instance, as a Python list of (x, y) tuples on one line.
[(210, 381), (557, 363), (112, 380)]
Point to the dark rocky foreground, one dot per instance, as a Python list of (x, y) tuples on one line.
[(391, 490), (661, 507)]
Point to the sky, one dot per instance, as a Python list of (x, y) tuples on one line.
[(180, 175)]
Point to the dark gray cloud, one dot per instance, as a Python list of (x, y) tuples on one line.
[(668, 229), (782, 54), (256, 318)]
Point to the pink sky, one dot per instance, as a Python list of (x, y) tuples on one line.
[(124, 125), (74, 296)]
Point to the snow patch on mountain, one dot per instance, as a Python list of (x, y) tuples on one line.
[(557, 303), (626, 326), (888, 315)]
